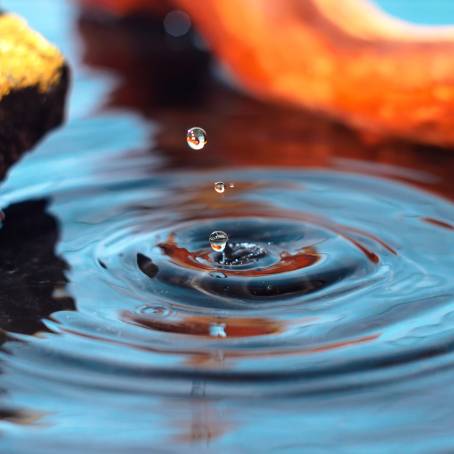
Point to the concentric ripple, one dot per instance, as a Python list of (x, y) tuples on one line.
[(327, 277), (277, 261)]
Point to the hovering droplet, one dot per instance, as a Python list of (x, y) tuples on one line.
[(219, 187), (218, 240), (196, 138)]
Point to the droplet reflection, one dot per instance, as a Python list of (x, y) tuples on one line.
[(218, 240), (219, 187)]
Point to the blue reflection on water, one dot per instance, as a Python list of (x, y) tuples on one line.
[(430, 12), (106, 378)]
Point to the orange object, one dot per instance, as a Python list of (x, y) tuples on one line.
[(345, 58)]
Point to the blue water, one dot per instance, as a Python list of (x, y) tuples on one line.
[(123, 331)]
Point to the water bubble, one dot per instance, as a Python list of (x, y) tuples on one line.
[(177, 23), (219, 187), (196, 138), (218, 240)]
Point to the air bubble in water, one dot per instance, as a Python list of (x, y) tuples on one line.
[(219, 187), (196, 138), (218, 240), (177, 23)]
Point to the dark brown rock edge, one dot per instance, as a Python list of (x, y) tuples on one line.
[(27, 114)]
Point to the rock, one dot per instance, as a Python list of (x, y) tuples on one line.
[(33, 85)]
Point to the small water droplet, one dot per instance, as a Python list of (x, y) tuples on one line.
[(218, 240), (218, 330), (196, 138), (231, 185), (219, 187)]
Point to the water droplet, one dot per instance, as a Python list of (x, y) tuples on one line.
[(218, 330), (231, 185), (219, 187), (218, 240), (196, 138)]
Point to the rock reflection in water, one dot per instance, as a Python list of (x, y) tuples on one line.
[(32, 275)]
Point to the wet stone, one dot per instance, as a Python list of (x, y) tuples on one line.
[(33, 86)]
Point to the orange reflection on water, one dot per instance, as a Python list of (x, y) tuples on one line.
[(243, 131), (206, 326), (348, 59)]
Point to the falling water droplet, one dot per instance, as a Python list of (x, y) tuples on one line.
[(196, 138), (219, 187), (218, 240)]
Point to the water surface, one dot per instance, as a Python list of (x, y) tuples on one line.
[(123, 331)]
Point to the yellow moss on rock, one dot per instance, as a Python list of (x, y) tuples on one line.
[(26, 58)]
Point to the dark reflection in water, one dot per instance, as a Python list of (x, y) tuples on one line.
[(336, 336), (32, 276)]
